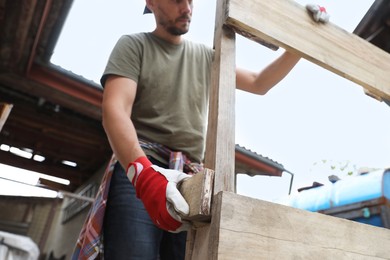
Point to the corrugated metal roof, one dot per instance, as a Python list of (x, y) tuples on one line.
[(259, 157)]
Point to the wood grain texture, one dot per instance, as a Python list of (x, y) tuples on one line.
[(288, 24), (220, 142), (202, 243), (198, 192), (255, 229)]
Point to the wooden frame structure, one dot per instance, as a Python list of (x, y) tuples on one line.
[(245, 228)]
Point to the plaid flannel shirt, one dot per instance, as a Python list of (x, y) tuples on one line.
[(90, 242)]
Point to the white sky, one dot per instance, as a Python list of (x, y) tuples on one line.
[(313, 115)]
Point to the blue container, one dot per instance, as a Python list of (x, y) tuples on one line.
[(357, 194)]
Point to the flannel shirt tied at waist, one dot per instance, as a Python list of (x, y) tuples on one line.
[(89, 244)]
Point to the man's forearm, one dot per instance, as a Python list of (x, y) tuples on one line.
[(123, 138), (277, 70), (260, 83)]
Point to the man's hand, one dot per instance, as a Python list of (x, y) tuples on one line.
[(319, 13), (157, 189)]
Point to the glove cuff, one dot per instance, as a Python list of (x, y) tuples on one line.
[(135, 168)]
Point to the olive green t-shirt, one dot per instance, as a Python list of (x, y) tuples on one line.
[(173, 81)]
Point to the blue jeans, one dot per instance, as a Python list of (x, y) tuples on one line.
[(129, 233)]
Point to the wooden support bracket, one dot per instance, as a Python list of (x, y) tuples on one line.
[(198, 191)]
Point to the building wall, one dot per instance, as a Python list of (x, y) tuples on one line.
[(40, 222), (63, 236), (27, 216), (14, 216)]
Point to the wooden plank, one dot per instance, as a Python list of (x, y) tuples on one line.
[(256, 39), (198, 192), (220, 142), (5, 109), (255, 229), (203, 242), (288, 24)]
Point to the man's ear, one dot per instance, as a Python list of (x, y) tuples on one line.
[(150, 4)]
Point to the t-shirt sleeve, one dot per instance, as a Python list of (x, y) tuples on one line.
[(125, 59)]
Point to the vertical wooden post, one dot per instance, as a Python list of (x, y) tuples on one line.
[(202, 243), (220, 142)]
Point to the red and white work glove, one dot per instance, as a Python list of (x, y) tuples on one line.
[(157, 189), (318, 12)]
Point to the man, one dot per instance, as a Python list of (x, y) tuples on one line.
[(155, 105)]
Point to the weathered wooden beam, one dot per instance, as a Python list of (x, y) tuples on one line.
[(5, 109), (255, 229), (220, 143), (256, 39), (203, 242), (288, 24), (198, 192)]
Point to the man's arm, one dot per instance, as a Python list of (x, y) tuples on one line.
[(261, 82), (155, 186), (118, 98)]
